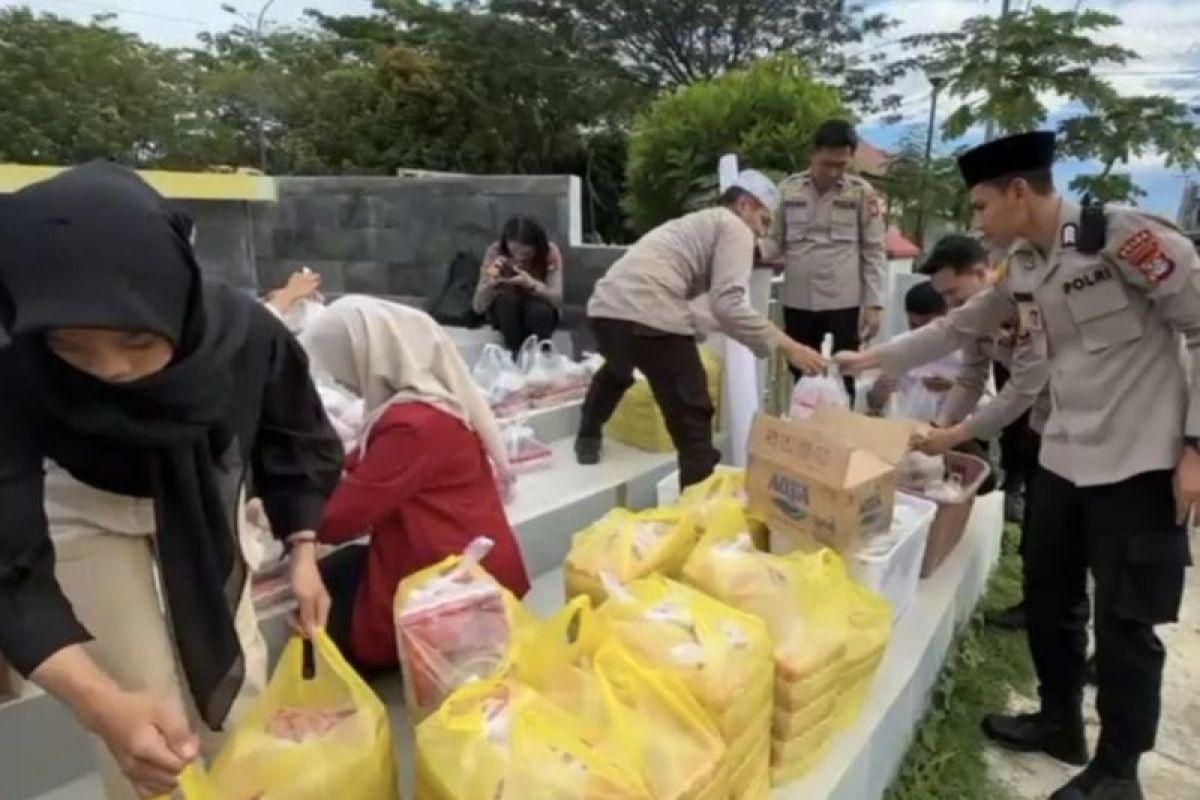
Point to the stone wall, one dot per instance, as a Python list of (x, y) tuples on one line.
[(225, 239), (396, 236)]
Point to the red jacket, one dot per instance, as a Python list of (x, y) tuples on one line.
[(424, 489)]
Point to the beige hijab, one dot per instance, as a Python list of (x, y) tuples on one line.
[(390, 353)]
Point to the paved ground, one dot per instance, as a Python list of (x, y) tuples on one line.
[(1170, 773)]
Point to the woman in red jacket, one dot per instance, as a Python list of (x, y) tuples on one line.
[(426, 477)]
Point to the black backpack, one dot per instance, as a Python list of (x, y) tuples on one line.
[(453, 304)]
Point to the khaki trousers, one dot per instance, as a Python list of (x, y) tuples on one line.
[(107, 568)]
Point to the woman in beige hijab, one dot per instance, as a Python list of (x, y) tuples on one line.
[(426, 477)]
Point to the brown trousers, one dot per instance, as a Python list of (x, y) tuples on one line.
[(672, 366)]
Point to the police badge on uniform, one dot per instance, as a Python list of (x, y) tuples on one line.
[(1145, 253)]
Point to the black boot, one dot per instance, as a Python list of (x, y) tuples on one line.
[(1037, 733), (587, 450), (1009, 619), (1096, 784)]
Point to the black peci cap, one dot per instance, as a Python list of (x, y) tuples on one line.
[(1024, 152)]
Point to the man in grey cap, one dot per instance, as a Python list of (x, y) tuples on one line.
[(1107, 296), (641, 317)]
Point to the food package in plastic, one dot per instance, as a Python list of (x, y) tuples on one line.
[(526, 452), (318, 731), (501, 740), (722, 655), (813, 391), (551, 377), (723, 486), (454, 624), (829, 635), (628, 546), (639, 714), (502, 382)]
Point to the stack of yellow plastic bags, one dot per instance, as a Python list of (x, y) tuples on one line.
[(829, 633), (578, 716), (704, 499), (627, 546), (722, 655)]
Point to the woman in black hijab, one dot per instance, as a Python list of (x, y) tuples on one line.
[(148, 392)]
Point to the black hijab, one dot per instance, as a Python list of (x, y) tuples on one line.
[(96, 247)]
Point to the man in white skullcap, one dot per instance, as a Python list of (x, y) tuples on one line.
[(640, 315)]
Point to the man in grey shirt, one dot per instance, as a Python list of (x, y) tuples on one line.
[(640, 315)]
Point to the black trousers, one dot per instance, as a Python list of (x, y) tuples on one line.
[(1019, 444), (1125, 534), (517, 315), (809, 328), (343, 572), (672, 366)]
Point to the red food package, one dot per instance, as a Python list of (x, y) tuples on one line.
[(454, 624)]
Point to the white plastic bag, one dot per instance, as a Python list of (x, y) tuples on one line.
[(302, 314), (550, 376), (345, 411), (813, 391), (454, 624), (496, 373), (525, 452)]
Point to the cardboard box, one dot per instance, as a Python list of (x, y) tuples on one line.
[(829, 480)]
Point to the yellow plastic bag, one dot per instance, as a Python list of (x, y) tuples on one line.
[(627, 546), (317, 732), (500, 740), (829, 634), (635, 713), (194, 784), (661, 726), (726, 485), (722, 655), (638, 421), (454, 624)]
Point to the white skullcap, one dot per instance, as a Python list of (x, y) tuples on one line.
[(760, 186)]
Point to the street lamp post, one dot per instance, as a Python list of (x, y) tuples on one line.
[(936, 82), (255, 24)]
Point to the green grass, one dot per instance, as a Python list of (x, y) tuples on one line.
[(946, 760)]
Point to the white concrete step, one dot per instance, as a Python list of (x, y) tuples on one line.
[(552, 424)]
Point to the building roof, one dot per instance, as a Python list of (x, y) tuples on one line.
[(869, 160), (898, 246), (240, 185)]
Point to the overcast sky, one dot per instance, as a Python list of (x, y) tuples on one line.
[(1165, 32)]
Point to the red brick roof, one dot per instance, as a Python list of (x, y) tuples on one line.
[(898, 246), (869, 160)]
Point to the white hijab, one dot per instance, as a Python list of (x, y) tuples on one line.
[(389, 353)]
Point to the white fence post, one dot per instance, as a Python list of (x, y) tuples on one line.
[(742, 392)]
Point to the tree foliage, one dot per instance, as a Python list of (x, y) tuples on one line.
[(1119, 129), (1001, 69), (671, 43), (71, 93), (908, 188), (766, 114)]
